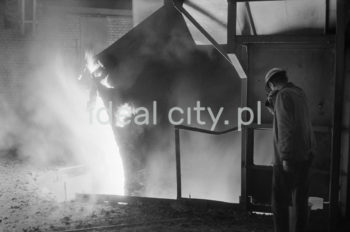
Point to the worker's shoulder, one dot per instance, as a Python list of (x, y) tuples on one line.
[(291, 89), (292, 93)]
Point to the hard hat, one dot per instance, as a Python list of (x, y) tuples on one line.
[(270, 74)]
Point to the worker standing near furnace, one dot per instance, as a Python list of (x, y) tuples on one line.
[(293, 142)]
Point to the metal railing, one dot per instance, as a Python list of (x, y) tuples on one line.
[(178, 128)]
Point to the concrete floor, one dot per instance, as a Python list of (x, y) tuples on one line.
[(27, 206)]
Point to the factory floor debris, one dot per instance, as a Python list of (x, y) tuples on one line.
[(27, 206)]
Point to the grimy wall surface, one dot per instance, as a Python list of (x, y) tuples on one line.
[(311, 67), (71, 29)]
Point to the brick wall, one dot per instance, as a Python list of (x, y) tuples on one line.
[(11, 43), (63, 29), (69, 26), (118, 26)]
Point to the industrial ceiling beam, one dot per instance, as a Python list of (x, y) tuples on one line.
[(178, 4), (250, 16), (206, 13), (327, 12), (184, 12), (321, 39), (106, 4)]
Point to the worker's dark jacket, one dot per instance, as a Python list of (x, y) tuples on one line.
[(293, 135)]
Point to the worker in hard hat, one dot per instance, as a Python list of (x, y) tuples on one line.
[(293, 141)]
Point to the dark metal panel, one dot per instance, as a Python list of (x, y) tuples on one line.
[(260, 185), (309, 66), (160, 25), (320, 172), (170, 67), (168, 2)]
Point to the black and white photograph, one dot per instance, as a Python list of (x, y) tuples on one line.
[(174, 115)]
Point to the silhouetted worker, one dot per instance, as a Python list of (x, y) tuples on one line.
[(293, 147)]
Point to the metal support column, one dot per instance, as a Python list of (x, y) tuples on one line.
[(337, 116), (244, 200), (326, 25), (231, 25), (178, 163)]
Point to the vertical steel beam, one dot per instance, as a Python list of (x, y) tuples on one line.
[(246, 163), (178, 163), (244, 201), (244, 154), (347, 45), (337, 116), (347, 207), (327, 11), (231, 25)]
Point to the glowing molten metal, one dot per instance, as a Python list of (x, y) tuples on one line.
[(110, 169)]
